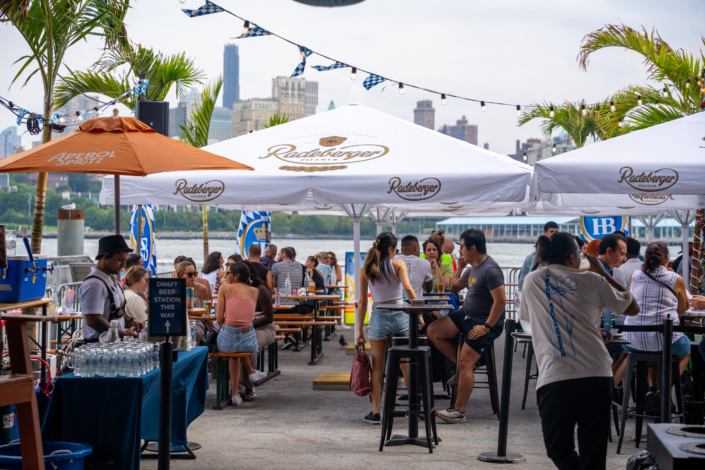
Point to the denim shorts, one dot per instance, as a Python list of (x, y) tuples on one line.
[(387, 323), (233, 340), (680, 348)]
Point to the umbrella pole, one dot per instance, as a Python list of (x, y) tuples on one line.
[(356, 250), (117, 204)]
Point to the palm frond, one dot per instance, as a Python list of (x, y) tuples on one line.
[(88, 81), (569, 117), (195, 132), (275, 120)]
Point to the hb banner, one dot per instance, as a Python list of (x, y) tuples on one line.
[(254, 228), (593, 228), (146, 245)]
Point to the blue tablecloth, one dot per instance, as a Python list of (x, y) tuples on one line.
[(113, 414)]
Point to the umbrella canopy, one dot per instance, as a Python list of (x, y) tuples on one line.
[(115, 146), (353, 154), (659, 166)]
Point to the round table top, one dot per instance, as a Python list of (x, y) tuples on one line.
[(414, 308), (337, 287), (431, 298), (310, 297)]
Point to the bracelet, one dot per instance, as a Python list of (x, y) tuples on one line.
[(487, 327)]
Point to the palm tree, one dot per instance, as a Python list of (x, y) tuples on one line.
[(579, 123), (275, 120), (162, 71), (50, 28), (677, 72), (195, 133)]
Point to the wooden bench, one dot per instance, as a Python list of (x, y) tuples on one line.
[(222, 374), (279, 337), (290, 316), (288, 330)]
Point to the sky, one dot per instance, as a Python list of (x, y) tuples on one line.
[(513, 51)]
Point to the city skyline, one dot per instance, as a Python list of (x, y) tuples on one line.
[(498, 64)]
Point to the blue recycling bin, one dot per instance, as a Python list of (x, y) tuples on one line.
[(72, 457)]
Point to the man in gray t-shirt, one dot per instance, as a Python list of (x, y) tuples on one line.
[(287, 266), (421, 276)]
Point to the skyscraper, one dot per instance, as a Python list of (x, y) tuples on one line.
[(77, 103), (231, 76), (221, 127), (291, 95), (424, 114), (9, 139), (250, 115), (178, 115), (311, 97), (462, 131)]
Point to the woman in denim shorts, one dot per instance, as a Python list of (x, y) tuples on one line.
[(385, 277)]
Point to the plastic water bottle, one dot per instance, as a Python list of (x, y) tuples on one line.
[(287, 286), (277, 298), (193, 333), (411, 278)]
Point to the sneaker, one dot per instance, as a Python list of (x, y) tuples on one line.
[(452, 381), (652, 399), (373, 418), (452, 415), (342, 327), (241, 389), (289, 341), (237, 401), (257, 376)]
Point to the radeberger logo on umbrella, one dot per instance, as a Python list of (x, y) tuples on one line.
[(650, 199), (200, 192), (81, 158), (327, 154), (653, 181), (415, 191)]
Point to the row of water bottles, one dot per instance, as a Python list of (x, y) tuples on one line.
[(118, 359)]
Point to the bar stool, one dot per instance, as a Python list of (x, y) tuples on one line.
[(529, 375), (643, 361), (420, 358), (488, 362)]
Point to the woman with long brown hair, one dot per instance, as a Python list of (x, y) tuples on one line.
[(385, 278), (332, 261)]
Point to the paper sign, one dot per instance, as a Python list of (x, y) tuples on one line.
[(167, 307)]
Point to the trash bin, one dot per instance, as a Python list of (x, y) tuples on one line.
[(67, 456)]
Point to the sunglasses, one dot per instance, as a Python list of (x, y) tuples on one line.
[(190, 275)]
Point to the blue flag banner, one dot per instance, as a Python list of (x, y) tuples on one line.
[(206, 9), (254, 31), (254, 228), (322, 68), (593, 228), (146, 246), (371, 81), (305, 52)]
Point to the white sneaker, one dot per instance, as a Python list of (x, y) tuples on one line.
[(241, 389), (237, 401), (258, 375), (343, 327)]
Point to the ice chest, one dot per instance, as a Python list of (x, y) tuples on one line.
[(19, 283)]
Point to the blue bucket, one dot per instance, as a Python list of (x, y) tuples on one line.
[(11, 459)]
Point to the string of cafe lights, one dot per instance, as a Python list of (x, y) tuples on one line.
[(251, 29)]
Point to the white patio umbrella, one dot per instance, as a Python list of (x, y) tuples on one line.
[(353, 156)]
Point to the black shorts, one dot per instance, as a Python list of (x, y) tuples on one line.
[(465, 324)]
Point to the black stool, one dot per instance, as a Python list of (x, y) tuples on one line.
[(420, 358), (529, 375), (643, 362), (488, 362)]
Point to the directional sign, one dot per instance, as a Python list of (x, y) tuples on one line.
[(167, 307)]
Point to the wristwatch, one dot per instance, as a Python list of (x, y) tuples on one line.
[(488, 327)]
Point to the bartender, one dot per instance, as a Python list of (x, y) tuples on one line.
[(101, 296)]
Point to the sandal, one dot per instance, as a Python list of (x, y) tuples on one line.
[(248, 396)]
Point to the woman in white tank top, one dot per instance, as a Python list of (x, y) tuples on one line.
[(385, 277), (212, 270)]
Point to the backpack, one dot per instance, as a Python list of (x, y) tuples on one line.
[(360, 374)]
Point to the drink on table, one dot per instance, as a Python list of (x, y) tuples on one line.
[(311, 286), (441, 287), (287, 286)]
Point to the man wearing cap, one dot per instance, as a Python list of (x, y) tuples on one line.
[(101, 296)]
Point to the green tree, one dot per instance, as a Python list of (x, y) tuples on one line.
[(79, 182), (570, 118), (96, 186), (275, 120), (50, 28)]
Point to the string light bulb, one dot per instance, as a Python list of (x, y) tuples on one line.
[(443, 99), (687, 83), (621, 122), (638, 100), (664, 92), (554, 148), (524, 156), (246, 28), (656, 103), (483, 106), (182, 1), (584, 110), (62, 120), (401, 88), (613, 108), (518, 110), (129, 99), (78, 116), (353, 75), (551, 112)]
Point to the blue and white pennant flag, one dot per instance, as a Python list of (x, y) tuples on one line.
[(371, 81), (299, 70), (254, 31), (322, 68), (206, 9), (254, 228)]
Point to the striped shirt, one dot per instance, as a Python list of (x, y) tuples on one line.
[(655, 302), (295, 271)]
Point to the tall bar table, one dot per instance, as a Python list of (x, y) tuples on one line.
[(413, 311)]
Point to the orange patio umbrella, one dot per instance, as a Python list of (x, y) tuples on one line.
[(116, 146)]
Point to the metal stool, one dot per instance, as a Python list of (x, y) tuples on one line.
[(529, 375), (419, 357), (643, 361)]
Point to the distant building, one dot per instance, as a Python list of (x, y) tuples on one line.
[(538, 149), (36, 143), (54, 180), (424, 114), (231, 76), (250, 115), (77, 103), (331, 106), (291, 95), (9, 139), (221, 127), (311, 97), (192, 96), (179, 115), (4, 181), (461, 131)]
